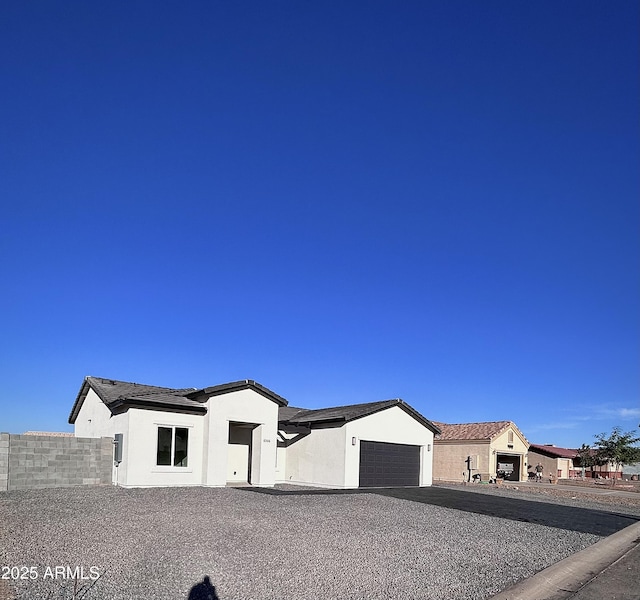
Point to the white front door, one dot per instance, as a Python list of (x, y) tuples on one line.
[(238, 462)]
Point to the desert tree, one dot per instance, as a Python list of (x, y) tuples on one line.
[(617, 448)]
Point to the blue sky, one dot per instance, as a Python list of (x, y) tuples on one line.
[(346, 202)]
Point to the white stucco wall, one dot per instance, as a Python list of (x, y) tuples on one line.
[(94, 419), (208, 445), (392, 425), (318, 458), (243, 406), (141, 445), (328, 457)]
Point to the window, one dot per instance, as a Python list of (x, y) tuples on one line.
[(173, 443)]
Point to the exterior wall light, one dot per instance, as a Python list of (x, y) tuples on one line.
[(353, 441)]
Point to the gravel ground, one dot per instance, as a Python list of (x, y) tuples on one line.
[(159, 543)]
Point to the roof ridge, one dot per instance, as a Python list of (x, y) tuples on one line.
[(392, 400)]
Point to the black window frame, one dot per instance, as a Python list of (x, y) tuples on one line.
[(172, 446)]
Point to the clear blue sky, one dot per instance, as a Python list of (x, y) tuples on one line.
[(345, 201)]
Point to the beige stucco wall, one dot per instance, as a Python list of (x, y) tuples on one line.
[(558, 467), (449, 460), (518, 447), (450, 456)]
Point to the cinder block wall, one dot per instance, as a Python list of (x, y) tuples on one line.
[(4, 461), (33, 462)]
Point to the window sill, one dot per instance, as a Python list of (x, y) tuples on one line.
[(158, 469)]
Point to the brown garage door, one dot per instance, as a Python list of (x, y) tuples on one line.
[(389, 465)]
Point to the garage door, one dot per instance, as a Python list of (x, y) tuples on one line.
[(384, 465)]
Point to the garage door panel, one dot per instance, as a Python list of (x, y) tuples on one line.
[(383, 464)]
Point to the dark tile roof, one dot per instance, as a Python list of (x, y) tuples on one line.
[(116, 394), (286, 412), (344, 414), (122, 394), (235, 386), (553, 451)]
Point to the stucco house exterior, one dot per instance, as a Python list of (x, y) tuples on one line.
[(565, 463), (242, 432), (480, 451), (556, 462)]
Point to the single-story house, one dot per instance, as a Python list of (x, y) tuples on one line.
[(565, 463), (631, 471), (480, 451), (242, 432), (557, 462)]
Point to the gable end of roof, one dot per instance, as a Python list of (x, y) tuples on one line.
[(351, 412), (235, 386)]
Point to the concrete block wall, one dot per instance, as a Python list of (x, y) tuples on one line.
[(33, 462), (4, 462)]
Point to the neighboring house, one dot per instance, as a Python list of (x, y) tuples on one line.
[(242, 432), (631, 471), (480, 451), (557, 462), (564, 463), (49, 433)]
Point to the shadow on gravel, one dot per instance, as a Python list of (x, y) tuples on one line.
[(203, 591), (583, 520)]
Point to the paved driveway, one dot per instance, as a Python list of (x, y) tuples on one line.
[(572, 518)]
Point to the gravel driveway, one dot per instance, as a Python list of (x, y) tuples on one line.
[(159, 543)]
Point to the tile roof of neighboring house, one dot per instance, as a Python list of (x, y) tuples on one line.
[(344, 414), (554, 451), (472, 431), (476, 431)]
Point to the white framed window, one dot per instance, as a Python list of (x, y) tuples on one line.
[(173, 446)]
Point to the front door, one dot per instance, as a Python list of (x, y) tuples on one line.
[(239, 453)]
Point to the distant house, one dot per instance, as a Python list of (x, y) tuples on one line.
[(565, 463), (48, 433), (244, 433), (480, 451), (631, 471), (557, 462)]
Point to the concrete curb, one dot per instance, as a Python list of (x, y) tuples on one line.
[(564, 579)]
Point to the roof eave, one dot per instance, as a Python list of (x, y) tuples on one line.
[(125, 403), (80, 398)]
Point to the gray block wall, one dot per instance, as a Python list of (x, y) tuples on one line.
[(4, 462), (33, 462)]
